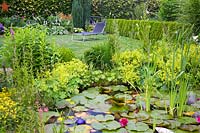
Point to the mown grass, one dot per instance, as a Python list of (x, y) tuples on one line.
[(79, 47)]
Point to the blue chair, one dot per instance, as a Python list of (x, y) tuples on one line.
[(98, 29)]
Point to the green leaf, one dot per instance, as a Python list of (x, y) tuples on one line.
[(80, 108), (65, 103), (52, 128), (119, 88), (112, 125), (79, 99), (47, 115), (98, 126), (187, 120), (139, 126), (82, 129)]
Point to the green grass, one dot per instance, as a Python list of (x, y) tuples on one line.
[(79, 47)]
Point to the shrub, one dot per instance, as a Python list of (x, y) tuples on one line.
[(66, 54), (29, 47), (100, 56), (114, 8), (169, 10), (63, 82), (8, 111), (191, 13), (158, 30), (128, 64)]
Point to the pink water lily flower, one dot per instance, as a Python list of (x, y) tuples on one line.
[(123, 122), (198, 119), (45, 109)]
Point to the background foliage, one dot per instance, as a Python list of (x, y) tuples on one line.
[(31, 8)]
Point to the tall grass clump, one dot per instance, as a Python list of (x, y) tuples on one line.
[(100, 56)]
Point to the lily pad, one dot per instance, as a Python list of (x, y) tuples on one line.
[(65, 103), (190, 128), (47, 115), (98, 126), (187, 120), (129, 115), (52, 128), (123, 96), (104, 118), (119, 108), (112, 125), (173, 124), (82, 129), (142, 115), (139, 126), (80, 108), (119, 88), (79, 99)]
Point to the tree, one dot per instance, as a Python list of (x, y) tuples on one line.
[(81, 10), (191, 14), (169, 10)]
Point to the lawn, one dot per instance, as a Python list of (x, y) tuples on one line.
[(79, 46)]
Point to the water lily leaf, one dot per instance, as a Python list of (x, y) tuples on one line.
[(142, 115), (112, 125), (99, 117), (119, 108), (109, 117), (173, 124), (121, 130), (79, 99), (98, 126), (69, 121), (131, 125), (160, 114), (101, 98), (82, 129), (52, 128), (130, 115), (132, 107), (123, 96), (139, 126), (100, 107), (65, 103), (104, 118), (47, 115), (190, 128), (187, 120), (121, 88), (80, 108)]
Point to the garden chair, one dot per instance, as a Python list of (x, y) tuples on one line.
[(98, 29)]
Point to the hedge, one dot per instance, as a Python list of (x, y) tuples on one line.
[(155, 29)]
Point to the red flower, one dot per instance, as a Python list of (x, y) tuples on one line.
[(123, 122), (198, 119)]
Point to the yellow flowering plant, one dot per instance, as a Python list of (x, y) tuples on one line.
[(8, 110)]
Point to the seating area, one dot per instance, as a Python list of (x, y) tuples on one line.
[(98, 29)]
